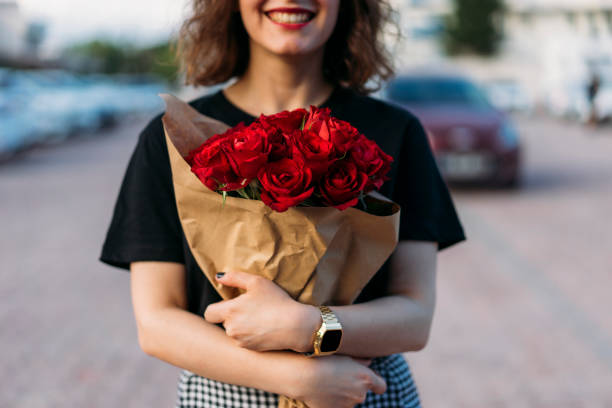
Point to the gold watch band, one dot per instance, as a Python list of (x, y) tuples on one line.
[(329, 323), (328, 316)]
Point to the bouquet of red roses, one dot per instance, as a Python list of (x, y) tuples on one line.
[(265, 199), (293, 158)]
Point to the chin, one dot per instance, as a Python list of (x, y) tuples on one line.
[(291, 51), (291, 48)]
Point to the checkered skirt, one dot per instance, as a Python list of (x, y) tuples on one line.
[(196, 391)]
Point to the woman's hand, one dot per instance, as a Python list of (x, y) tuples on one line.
[(338, 381), (265, 317)]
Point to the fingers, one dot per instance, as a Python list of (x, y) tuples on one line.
[(236, 279), (379, 386), (217, 312)]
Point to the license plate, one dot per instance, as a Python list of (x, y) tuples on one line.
[(465, 166)]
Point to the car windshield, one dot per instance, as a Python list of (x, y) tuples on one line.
[(436, 91)]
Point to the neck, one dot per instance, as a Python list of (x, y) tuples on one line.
[(274, 83)]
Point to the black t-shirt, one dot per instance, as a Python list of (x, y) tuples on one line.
[(145, 224)]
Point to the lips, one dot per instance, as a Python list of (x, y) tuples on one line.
[(297, 17)]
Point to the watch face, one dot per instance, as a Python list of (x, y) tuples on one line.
[(331, 340)]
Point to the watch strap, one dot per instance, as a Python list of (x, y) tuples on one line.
[(329, 321), (328, 316)]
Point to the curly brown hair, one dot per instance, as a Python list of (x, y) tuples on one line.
[(213, 45)]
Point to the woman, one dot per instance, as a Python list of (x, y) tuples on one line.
[(284, 54)]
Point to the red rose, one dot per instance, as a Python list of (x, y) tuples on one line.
[(285, 183), (341, 186), (339, 132), (342, 134), (247, 150), (285, 120), (316, 121), (279, 142), (317, 152), (370, 159), (212, 166), (213, 140)]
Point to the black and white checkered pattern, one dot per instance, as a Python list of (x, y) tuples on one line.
[(195, 391), (401, 389)]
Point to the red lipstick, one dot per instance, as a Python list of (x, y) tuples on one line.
[(287, 10)]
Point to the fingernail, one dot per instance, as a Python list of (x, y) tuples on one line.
[(220, 275)]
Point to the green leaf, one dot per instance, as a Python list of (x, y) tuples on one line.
[(303, 123), (243, 193), (255, 189), (362, 199)]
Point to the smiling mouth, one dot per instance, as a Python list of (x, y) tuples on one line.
[(290, 16)]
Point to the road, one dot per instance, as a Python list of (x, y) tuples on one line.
[(523, 317)]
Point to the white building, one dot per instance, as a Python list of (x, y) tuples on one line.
[(13, 29), (547, 42)]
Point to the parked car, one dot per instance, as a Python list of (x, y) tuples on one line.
[(508, 95), (48, 106), (471, 140)]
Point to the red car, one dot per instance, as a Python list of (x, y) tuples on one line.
[(472, 141)]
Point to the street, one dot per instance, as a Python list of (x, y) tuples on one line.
[(523, 315)]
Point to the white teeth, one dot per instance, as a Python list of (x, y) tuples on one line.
[(289, 18)]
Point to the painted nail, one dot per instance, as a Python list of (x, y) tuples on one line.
[(220, 275)]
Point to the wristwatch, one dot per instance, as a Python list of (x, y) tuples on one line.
[(328, 337)]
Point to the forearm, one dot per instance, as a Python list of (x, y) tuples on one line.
[(266, 318), (400, 321), (391, 324), (188, 341)]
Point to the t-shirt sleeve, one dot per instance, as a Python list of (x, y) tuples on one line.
[(145, 224), (428, 212)]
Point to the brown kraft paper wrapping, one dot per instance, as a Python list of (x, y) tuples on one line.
[(319, 255)]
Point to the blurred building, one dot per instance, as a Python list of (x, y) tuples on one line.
[(548, 43), (13, 30), (20, 39)]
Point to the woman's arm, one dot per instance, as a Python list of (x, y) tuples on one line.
[(266, 318), (402, 320), (168, 332)]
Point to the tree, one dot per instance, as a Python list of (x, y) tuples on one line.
[(107, 57), (474, 27)]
